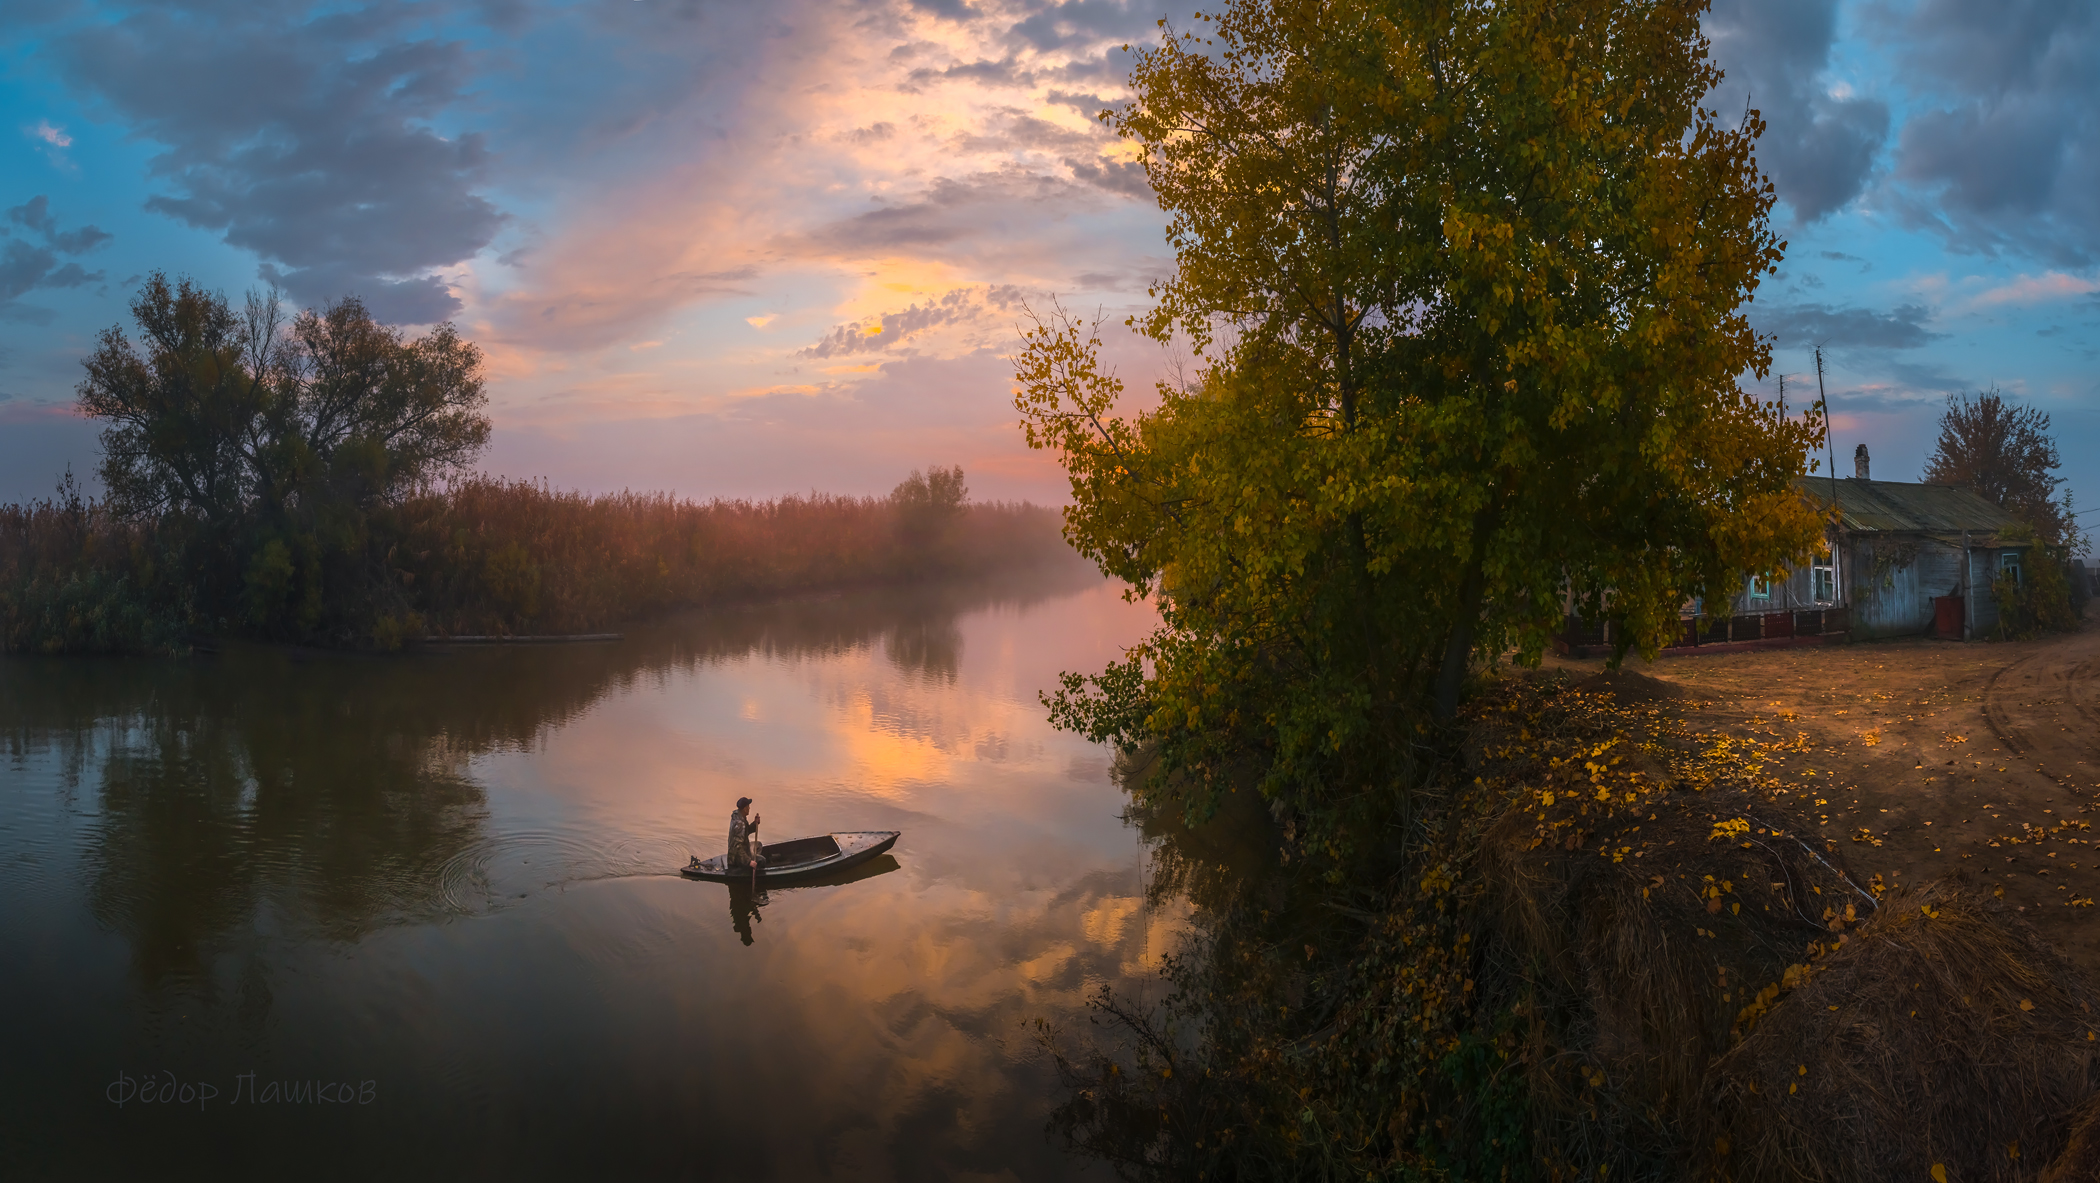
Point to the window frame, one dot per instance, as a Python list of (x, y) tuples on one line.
[(1822, 568)]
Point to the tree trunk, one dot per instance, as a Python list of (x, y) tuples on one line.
[(1458, 649), (1472, 593)]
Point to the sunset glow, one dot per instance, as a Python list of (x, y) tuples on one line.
[(752, 249)]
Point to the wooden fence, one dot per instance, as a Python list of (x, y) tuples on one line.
[(1584, 638)]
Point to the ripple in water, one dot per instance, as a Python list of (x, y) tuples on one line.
[(499, 870)]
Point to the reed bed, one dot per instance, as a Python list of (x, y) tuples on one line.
[(481, 556), (492, 556)]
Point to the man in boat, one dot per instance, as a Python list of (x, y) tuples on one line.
[(744, 850)]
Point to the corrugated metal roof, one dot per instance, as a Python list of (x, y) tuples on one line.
[(1901, 505)]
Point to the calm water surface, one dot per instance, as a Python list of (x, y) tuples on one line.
[(442, 884)]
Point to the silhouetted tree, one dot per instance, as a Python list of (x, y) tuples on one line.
[(260, 450), (228, 413), (2003, 452)]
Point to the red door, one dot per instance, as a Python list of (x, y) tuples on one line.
[(1946, 617)]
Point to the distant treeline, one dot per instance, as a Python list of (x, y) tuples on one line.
[(310, 482), (482, 556)]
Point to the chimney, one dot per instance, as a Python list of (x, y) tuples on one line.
[(1859, 462)]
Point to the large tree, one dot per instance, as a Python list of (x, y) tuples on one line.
[(227, 414), (2004, 453), (1465, 282), (262, 449)]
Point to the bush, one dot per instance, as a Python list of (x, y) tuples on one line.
[(2043, 602)]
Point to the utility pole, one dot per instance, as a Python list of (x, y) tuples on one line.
[(1823, 400), (1837, 574)]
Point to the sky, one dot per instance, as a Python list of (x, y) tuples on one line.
[(744, 249)]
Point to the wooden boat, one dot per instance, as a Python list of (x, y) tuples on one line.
[(801, 859)]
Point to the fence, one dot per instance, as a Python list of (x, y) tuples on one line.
[(1584, 638)]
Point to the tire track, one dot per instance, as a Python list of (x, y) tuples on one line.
[(2059, 674), (1994, 715), (2084, 675)]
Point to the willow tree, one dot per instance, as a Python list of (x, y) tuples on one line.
[(1465, 282)]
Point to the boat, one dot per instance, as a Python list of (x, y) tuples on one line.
[(799, 860)]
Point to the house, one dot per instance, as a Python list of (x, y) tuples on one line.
[(1904, 550), (1899, 559)]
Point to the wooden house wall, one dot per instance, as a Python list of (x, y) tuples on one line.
[(1884, 603), (1900, 602)]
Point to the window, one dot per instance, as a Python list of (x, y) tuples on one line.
[(2009, 564), (1760, 587), (1823, 578)]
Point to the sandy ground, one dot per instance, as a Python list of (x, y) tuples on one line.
[(1924, 758)]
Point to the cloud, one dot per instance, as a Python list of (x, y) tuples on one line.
[(1087, 103), (1845, 329), (2004, 153), (35, 216), (2034, 289), (888, 332), (26, 267), (1081, 151), (1003, 73), (948, 210), (1084, 24), (306, 135), (1135, 276), (954, 10), (1126, 178), (874, 133), (1011, 130), (1925, 376), (54, 136), (1820, 143)]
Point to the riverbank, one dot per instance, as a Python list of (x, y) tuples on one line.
[(1735, 918)]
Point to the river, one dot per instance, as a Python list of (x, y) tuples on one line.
[(270, 912)]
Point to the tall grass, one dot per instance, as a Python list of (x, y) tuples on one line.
[(483, 556), (76, 578)]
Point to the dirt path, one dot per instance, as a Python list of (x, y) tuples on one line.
[(1922, 758)]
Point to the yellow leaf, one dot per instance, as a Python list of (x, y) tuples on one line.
[(1939, 1172), (2026, 1005)]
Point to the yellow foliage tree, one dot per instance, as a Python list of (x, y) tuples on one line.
[(1466, 285)]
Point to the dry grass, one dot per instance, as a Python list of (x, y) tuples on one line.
[(1703, 972), (1618, 950), (1944, 1034)]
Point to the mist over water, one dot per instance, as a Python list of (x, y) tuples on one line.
[(443, 887)]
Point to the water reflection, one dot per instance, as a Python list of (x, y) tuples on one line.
[(744, 903), (454, 873)]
